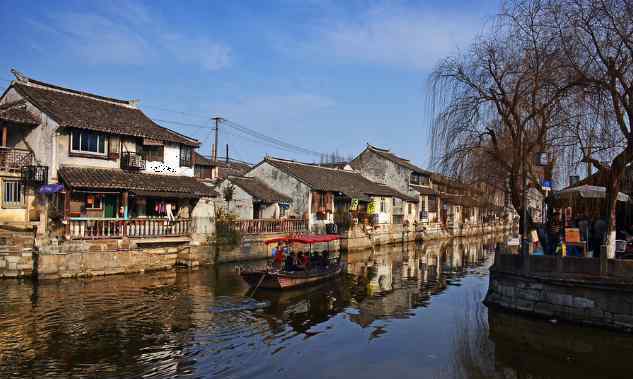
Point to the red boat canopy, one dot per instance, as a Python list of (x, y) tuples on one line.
[(308, 238)]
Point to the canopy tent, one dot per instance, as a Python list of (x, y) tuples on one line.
[(586, 192), (306, 238)]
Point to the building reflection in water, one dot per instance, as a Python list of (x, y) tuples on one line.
[(393, 281), (182, 323)]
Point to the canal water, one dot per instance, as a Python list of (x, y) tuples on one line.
[(402, 311)]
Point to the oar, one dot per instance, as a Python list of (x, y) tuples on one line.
[(258, 284)]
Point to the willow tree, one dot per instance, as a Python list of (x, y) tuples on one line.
[(596, 38), (499, 102)]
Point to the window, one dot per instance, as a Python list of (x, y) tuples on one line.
[(185, 156), (153, 153), (432, 204), (283, 210), (12, 193), (93, 201), (419, 179), (410, 208), (85, 141), (383, 205)]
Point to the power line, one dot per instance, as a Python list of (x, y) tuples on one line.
[(271, 141)]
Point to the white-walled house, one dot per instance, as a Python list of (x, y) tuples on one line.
[(252, 199), (320, 194), (110, 160), (383, 166)]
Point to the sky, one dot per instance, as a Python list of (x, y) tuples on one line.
[(329, 76)]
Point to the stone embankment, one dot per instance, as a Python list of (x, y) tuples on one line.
[(565, 288), (16, 252)]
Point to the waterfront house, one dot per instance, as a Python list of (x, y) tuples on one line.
[(250, 198), (383, 166), (322, 195), (112, 171)]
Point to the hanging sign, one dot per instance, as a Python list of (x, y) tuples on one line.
[(354, 205), (547, 185), (371, 207)]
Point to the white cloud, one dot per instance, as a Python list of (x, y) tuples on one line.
[(129, 34), (398, 36), (209, 54)]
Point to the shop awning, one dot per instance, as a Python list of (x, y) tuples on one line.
[(50, 188), (177, 195)]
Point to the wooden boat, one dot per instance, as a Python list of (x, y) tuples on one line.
[(279, 279)]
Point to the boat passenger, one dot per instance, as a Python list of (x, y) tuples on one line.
[(306, 261), (300, 261), (279, 258), (325, 260), (290, 262)]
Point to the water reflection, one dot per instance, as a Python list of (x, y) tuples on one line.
[(406, 311)]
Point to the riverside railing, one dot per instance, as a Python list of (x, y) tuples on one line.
[(108, 228), (269, 226)]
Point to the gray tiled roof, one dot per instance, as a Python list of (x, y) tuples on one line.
[(259, 190), (115, 179), (348, 182), (76, 109)]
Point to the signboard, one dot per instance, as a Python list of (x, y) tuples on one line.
[(354, 205), (547, 185), (371, 207)]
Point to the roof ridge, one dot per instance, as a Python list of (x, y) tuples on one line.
[(315, 165), (30, 82), (377, 148)]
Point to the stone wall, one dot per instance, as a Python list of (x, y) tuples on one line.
[(564, 288), (108, 257), (16, 253)]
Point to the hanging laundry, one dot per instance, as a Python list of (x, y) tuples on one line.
[(170, 215)]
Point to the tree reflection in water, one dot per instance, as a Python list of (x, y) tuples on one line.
[(400, 311)]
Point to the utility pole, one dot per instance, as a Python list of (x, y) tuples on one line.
[(214, 148)]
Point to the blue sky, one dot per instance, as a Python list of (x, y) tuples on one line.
[(325, 75)]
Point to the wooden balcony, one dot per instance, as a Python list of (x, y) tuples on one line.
[(112, 228), (34, 176), (13, 160), (257, 226), (132, 161)]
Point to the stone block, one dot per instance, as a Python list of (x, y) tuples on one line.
[(529, 294), (583, 302), (559, 299)]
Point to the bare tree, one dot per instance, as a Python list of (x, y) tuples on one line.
[(596, 37), (500, 102)]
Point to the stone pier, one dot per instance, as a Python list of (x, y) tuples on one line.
[(564, 288)]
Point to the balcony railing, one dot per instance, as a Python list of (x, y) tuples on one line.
[(132, 161), (14, 159), (112, 228), (269, 226), (34, 176)]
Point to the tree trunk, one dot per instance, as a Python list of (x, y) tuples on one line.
[(613, 189)]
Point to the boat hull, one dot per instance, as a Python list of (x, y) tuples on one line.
[(282, 280)]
